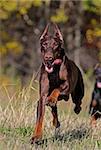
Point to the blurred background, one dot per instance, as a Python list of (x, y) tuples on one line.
[(22, 23)]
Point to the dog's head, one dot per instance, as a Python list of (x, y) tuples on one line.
[(97, 71), (51, 50)]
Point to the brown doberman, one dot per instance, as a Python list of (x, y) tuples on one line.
[(59, 78), (95, 105)]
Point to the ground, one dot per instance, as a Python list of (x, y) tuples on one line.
[(17, 122)]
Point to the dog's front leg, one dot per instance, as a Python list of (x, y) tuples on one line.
[(56, 122), (63, 89), (44, 86)]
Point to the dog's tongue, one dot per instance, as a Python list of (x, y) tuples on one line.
[(99, 84), (57, 61), (49, 70)]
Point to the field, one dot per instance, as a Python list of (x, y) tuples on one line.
[(17, 121)]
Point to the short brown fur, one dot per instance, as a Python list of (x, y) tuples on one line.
[(59, 78)]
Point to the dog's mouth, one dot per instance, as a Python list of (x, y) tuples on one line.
[(49, 67), (99, 84)]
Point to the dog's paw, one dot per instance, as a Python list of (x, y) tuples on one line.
[(35, 140), (77, 109), (57, 132), (53, 98), (93, 122), (32, 140)]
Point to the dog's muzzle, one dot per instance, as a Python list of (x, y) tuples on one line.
[(49, 65), (98, 77), (98, 82)]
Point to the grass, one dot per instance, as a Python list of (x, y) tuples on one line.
[(17, 122)]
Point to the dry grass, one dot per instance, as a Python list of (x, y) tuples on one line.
[(17, 120)]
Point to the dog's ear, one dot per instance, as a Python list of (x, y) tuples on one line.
[(58, 34), (45, 34), (96, 67)]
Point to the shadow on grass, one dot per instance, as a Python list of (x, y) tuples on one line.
[(25, 133), (75, 134)]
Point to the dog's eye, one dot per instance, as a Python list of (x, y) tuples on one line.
[(57, 54)]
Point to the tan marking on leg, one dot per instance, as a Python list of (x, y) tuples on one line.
[(93, 121), (54, 96)]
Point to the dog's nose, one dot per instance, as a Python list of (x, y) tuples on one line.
[(49, 60), (49, 64)]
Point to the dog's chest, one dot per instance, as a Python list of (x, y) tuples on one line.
[(54, 80)]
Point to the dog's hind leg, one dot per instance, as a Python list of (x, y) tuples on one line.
[(56, 122), (63, 97), (78, 94)]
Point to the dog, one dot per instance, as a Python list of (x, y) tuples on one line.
[(95, 105), (59, 78)]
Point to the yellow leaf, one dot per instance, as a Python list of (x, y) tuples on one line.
[(97, 3), (60, 16), (23, 10), (3, 50), (93, 22), (3, 14), (14, 47), (37, 3), (4, 80), (9, 5), (4, 35), (97, 32)]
